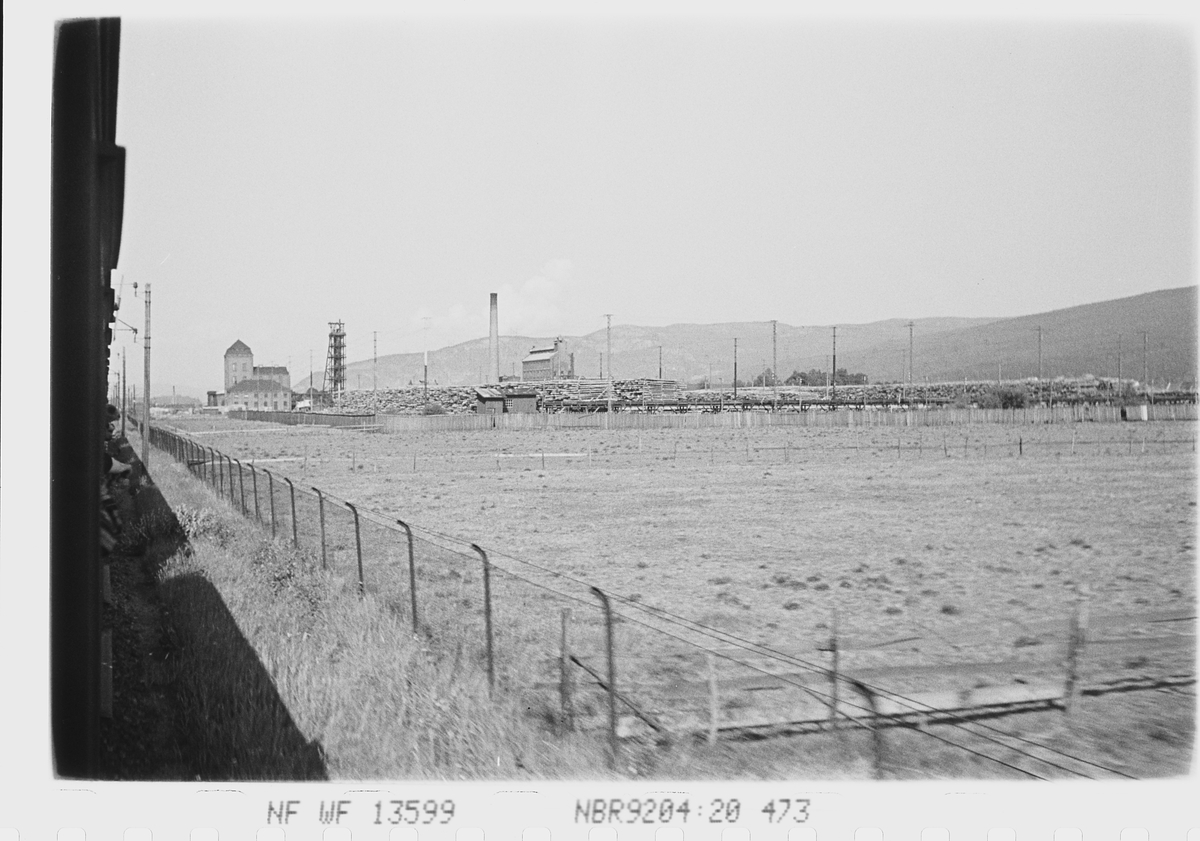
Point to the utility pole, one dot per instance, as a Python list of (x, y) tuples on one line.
[(735, 367), (660, 362), (833, 370), (425, 379), (1119, 361), (1039, 331), (310, 378), (146, 386), (1145, 365), (608, 317), (374, 361), (124, 391), (775, 362), (910, 355)]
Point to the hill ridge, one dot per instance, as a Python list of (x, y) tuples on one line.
[(1076, 340)]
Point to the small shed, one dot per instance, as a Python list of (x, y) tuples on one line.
[(522, 402), (488, 401)]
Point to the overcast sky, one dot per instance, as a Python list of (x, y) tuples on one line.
[(283, 175)]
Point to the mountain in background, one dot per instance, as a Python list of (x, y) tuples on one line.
[(1075, 341)]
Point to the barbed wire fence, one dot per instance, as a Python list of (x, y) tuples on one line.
[(555, 638)]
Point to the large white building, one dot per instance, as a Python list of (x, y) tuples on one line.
[(254, 387)]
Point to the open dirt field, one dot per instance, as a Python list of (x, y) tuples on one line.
[(931, 547)]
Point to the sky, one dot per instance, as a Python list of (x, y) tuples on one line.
[(391, 173)]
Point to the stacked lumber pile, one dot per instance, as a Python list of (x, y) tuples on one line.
[(589, 391), (455, 400)]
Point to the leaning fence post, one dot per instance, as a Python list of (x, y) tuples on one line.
[(1076, 637), (220, 473), (487, 617), (254, 483), (271, 494), (833, 672), (565, 688), (230, 462), (714, 707), (241, 486), (412, 573), (321, 510), (292, 492), (876, 727), (208, 474), (612, 678), (362, 587)]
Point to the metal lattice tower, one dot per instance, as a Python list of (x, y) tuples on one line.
[(334, 382)]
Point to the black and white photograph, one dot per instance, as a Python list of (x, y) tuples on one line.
[(614, 397)]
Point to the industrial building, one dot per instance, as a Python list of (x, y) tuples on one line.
[(239, 366), (548, 363), (495, 401), (254, 387)]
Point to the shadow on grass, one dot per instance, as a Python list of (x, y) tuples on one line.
[(230, 721)]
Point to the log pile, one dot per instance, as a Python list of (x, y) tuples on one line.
[(589, 394)]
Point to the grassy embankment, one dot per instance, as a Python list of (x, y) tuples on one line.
[(282, 671)]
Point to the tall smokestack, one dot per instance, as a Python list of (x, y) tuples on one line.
[(494, 344)]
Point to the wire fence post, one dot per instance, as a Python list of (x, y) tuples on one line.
[(271, 494), (1076, 637), (876, 728), (241, 486), (613, 747), (565, 688), (292, 493), (254, 483), (362, 587), (321, 510), (209, 474), (487, 617), (833, 673), (230, 462), (220, 473), (412, 573), (714, 706)]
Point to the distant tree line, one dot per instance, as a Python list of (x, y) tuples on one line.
[(812, 377)]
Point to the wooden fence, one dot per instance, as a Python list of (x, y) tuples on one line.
[(811, 417)]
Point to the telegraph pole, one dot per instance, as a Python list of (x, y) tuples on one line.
[(1039, 331), (146, 386), (124, 391), (735, 367), (1145, 365), (910, 355), (775, 362), (833, 371), (425, 379), (1119, 362), (608, 316), (374, 361), (660, 361)]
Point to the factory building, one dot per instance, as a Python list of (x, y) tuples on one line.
[(548, 363), (253, 387), (239, 366), (259, 395)]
